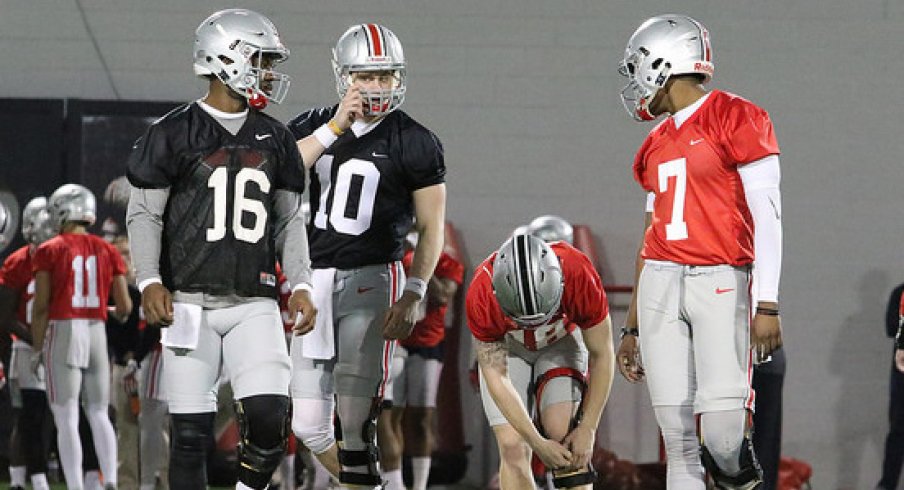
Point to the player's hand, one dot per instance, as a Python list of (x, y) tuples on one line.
[(37, 360), (130, 378), (302, 312), (580, 442), (157, 303), (628, 359), (351, 108), (401, 317), (899, 359), (553, 454), (765, 336)]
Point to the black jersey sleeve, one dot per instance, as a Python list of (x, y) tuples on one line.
[(291, 168), (151, 164), (305, 123), (423, 159)]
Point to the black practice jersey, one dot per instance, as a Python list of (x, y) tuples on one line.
[(361, 188), (218, 224)]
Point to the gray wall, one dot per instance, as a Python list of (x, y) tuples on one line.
[(524, 94)]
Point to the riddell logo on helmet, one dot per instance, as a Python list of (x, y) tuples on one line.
[(704, 67)]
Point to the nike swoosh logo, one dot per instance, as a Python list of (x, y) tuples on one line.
[(723, 291), (363, 290), (262, 137), (379, 155), (694, 142)]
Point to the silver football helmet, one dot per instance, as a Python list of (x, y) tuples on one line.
[(232, 45), (37, 226), (550, 228), (371, 47), (9, 218), (527, 280), (662, 46), (72, 202)]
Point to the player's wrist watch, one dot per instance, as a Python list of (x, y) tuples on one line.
[(628, 331)]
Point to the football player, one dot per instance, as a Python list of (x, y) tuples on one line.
[(75, 274), (713, 227), (373, 171), (215, 201), (537, 312), (27, 388), (415, 387)]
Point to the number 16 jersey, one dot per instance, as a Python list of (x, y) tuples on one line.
[(361, 188), (219, 224)]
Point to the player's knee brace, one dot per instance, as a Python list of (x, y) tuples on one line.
[(368, 458), (750, 477), (192, 435), (312, 423), (263, 428)]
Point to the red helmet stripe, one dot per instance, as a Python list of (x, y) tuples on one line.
[(375, 36)]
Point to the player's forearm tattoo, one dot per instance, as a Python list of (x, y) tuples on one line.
[(491, 354)]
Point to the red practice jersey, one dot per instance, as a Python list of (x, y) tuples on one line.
[(584, 303), (700, 215), (16, 274), (81, 271), (430, 331)]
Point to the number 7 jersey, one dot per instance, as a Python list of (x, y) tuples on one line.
[(361, 188), (700, 213)]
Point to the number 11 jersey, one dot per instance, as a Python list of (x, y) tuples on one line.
[(361, 188)]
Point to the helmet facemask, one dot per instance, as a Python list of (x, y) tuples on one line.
[(640, 90), (377, 102), (251, 79)]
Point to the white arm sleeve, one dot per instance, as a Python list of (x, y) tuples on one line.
[(292, 239), (761, 180), (144, 220), (651, 200)]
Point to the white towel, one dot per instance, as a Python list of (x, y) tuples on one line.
[(320, 343), (79, 343), (183, 334)]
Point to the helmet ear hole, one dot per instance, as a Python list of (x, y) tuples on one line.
[(656, 63)]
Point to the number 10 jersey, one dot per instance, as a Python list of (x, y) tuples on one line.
[(361, 188)]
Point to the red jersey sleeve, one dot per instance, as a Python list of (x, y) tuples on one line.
[(43, 259), (449, 268), (748, 134), (584, 300), (16, 271), (485, 319)]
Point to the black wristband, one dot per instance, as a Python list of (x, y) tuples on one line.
[(767, 311), (629, 331)]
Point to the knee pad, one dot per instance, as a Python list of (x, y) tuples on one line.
[(368, 457), (192, 433), (750, 477), (574, 478), (545, 378), (263, 428), (312, 422)]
